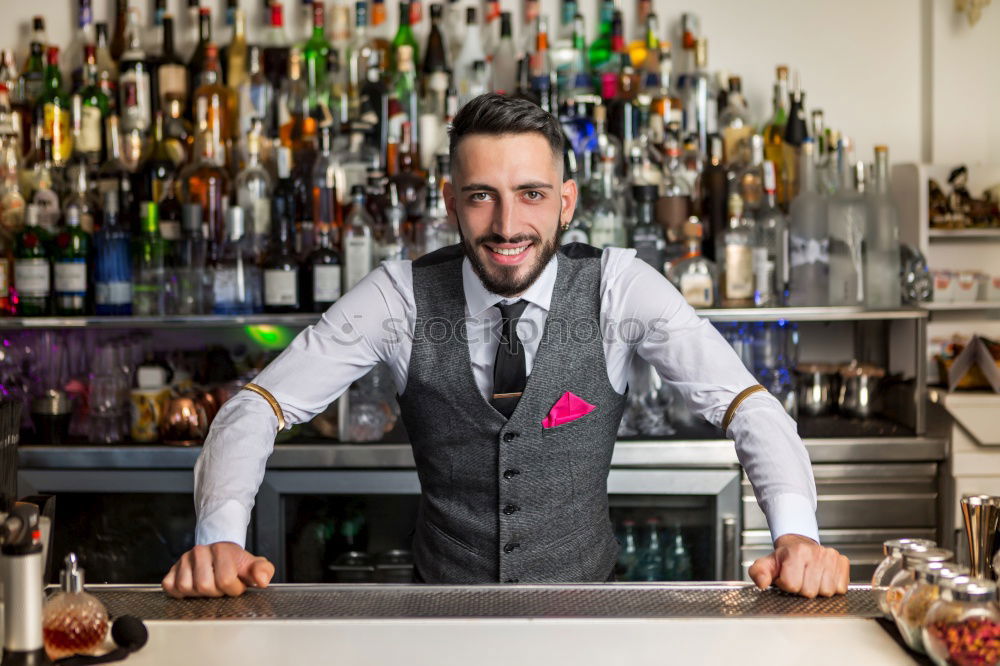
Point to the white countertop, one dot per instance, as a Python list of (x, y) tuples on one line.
[(506, 642)]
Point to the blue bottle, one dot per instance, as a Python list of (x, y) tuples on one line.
[(113, 263)]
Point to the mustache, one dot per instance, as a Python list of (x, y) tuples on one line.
[(497, 238)]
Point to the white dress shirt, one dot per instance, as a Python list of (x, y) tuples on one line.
[(641, 313)]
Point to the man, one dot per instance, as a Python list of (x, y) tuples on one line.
[(495, 346)]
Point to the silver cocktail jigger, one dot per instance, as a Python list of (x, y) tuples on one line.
[(982, 516)]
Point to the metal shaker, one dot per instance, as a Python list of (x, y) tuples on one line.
[(21, 570)]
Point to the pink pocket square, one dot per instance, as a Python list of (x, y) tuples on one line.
[(567, 408)]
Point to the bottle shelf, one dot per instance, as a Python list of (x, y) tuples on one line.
[(971, 306), (963, 234), (304, 319)]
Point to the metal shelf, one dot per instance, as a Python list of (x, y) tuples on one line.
[(305, 319), (971, 306), (963, 234)]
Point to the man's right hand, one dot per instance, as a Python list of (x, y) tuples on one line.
[(223, 568)]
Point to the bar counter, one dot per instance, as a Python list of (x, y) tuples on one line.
[(633, 623)]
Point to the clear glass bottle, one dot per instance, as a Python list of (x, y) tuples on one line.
[(504, 62), (796, 132), (650, 564), (628, 553), (770, 252), (192, 264), (693, 275), (73, 620), (236, 277), (926, 589), (673, 208), (699, 99), (607, 215), (148, 294), (358, 244), (734, 250), (892, 564), (848, 218), (906, 577), (281, 267), (322, 272), (647, 236), (135, 98), (253, 192), (749, 180), (963, 625), (774, 131), (114, 176), (735, 125), (809, 238), (882, 288), (390, 245), (113, 264), (256, 95)]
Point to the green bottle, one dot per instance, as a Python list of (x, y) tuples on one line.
[(32, 274), (404, 36), (316, 52), (54, 110), (96, 106), (149, 275), (600, 49), (71, 255), (33, 76)]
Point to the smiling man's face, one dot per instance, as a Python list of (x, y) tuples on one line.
[(508, 198)]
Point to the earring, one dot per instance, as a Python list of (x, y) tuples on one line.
[(565, 225)]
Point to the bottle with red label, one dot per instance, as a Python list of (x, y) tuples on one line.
[(32, 274), (54, 110), (70, 270)]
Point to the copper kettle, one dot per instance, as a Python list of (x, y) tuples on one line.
[(185, 420)]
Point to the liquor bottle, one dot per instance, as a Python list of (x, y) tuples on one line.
[(172, 74), (796, 131), (694, 275), (543, 84), (607, 224), (171, 213), (44, 183), (749, 180), (206, 182), (504, 62), (650, 564), (256, 96), (107, 68), (113, 263), (322, 272), (357, 240), (628, 554), (94, 111), (882, 288), (355, 163), (809, 237), (436, 230), (236, 278), (734, 249), (390, 245), (12, 199), (673, 208), (38, 34), (770, 252), (236, 52), (84, 35), (190, 264), (326, 171), (281, 267), (563, 47), (53, 110), (217, 102), (847, 215), (33, 75), (148, 295), (253, 194), (714, 195), (404, 86), (135, 95), (678, 558), (297, 128), (178, 134), (118, 37), (71, 252), (114, 176), (471, 52), (340, 35), (647, 236), (315, 53), (359, 53), (155, 176), (600, 50), (380, 36), (276, 43), (32, 272), (80, 182), (436, 56), (699, 99), (665, 100), (409, 182), (456, 28), (404, 37), (735, 125), (644, 50), (17, 102), (196, 63)]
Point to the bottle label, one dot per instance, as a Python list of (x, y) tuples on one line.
[(326, 283), (803, 251), (281, 287), (170, 230), (48, 208), (32, 277), (574, 236), (71, 277), (89, 139), (113, 293), (735, 141), (739, 272), (602, 230), (135, 97), (262, 216), (697, 289), (172, 80), (358, 257), (763, 274), (225, 287), (56, 127)]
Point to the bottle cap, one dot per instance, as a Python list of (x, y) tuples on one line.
[(895, 547), (191, 217), (71, 577), (645, 193)]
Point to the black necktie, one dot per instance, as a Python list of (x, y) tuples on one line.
[(509, 373)]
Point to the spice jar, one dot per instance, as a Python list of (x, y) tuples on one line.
[(902, 581), (892, 565), (928, 577), (962, 628)]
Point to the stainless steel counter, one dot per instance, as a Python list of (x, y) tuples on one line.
[(666, 453)]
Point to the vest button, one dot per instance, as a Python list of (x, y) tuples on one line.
[(509, 436), (511, 508), (510, 473), (509, 548)]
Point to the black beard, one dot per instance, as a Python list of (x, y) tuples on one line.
[(503, 281)]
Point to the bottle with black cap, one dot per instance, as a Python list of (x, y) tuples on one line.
[(648, 238)]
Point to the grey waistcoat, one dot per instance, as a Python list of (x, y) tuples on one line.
[(508, 500)]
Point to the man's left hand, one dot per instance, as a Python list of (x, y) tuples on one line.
[(801, 566)]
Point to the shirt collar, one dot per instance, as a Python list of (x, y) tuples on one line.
[(478, 299)]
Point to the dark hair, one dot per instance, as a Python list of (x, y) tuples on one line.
[(495, 114)]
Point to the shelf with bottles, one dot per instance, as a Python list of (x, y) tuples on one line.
[(963, 234)]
